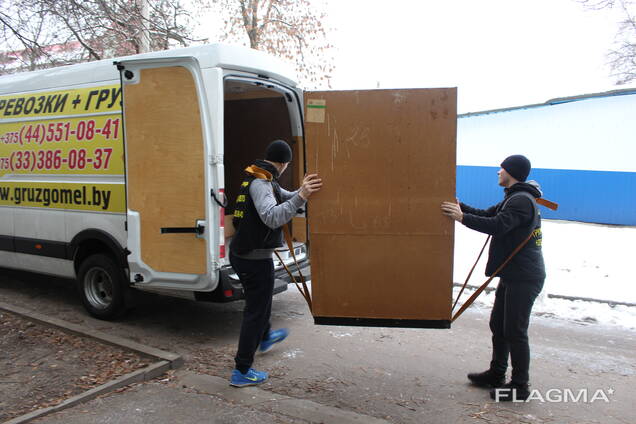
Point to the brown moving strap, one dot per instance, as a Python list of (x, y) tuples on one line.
[(548, 204), (472, 298), (470, 273), (304, 290)]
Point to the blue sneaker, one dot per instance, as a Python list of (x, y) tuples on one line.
[(250, 378), (274, 337)]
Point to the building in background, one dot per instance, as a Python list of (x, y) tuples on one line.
[(582, 149), (48, 57)]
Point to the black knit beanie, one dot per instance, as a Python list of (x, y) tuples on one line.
[(518, 166), (278, 151)]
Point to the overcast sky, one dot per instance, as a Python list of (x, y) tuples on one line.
[(498, 53)]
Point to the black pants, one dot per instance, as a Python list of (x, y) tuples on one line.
[(257, 279), (509, 322)]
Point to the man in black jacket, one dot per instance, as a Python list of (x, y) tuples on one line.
[(510, 222)]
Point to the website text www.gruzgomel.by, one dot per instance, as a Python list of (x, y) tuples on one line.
[(56, 197)]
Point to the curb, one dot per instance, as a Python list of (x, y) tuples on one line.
[(258, 398), (166, 361)]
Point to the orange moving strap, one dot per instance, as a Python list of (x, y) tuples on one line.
[(259, 173)]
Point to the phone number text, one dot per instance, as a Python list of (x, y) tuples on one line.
[(55, 132), (30, 160)]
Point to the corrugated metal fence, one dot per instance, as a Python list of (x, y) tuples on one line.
[(582, 149)]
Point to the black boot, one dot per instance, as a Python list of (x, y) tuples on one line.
[(509, 392), (487, 379)]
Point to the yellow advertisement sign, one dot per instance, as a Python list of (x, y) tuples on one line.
[(79, 101), (75, 196), (63, 132), (44, 134)]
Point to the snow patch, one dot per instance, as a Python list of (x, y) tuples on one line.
[(339, 335), (582, 260), (293, 353), (572, 310)]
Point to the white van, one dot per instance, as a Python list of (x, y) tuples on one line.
[(116, 173)]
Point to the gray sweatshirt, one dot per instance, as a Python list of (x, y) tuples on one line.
[(272, 215)]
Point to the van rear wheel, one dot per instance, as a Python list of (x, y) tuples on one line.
[(101, 285)]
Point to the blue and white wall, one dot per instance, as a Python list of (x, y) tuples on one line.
[(583, 154)]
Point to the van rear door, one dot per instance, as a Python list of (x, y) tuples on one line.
[(167, 177), (381, 251)]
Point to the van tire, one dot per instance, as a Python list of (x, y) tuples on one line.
[(102, 287)]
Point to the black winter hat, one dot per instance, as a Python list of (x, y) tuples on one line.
[(518, 166), (278, 151)]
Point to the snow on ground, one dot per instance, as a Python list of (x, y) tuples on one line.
[(578, 310), (582, 260)]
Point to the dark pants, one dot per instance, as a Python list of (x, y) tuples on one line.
[(509, 322), (257, 279)]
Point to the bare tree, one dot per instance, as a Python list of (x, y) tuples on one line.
[(291, 29), (622, 56), (70, 31), (24, 34)]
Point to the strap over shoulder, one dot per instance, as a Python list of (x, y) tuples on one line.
[(259, 173)]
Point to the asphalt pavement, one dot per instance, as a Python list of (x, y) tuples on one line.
[(383, 374)]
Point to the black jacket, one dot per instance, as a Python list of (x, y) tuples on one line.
[(510, 222)]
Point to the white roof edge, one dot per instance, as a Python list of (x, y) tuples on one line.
[(555, 101), (237, 58)]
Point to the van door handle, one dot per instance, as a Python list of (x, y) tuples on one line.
[(198, 230)]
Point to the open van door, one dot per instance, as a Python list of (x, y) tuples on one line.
[(166, 173), (381, 250)]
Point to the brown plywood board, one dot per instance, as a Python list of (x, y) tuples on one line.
[(165, 166), (380, 247), (299, 229), (299, 224)]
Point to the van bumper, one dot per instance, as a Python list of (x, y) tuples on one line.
[(230, 288)]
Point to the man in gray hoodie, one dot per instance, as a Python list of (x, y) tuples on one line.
[(262, 208)]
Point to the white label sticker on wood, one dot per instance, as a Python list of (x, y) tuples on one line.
[(316, 110)]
